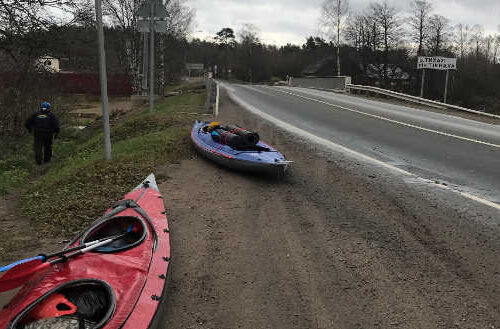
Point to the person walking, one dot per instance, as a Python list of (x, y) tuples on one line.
[(45, 127)]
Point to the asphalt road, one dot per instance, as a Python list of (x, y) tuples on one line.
[(338, 242), (461, 154)]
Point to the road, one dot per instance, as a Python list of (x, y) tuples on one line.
[(461, 154), (343, 241)]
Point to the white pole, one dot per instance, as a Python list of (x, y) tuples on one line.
[(152, 57), (422, 84), (103, 80), (446, 86)]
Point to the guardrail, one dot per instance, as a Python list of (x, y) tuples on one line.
[(414, 99)]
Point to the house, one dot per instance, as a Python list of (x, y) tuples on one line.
[(49, 63)]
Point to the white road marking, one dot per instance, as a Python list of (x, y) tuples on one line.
[(339, 148), (387, 119)]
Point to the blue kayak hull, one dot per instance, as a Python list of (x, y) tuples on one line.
[(264, 161)]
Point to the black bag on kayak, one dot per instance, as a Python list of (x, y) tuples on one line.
[(249, 137), (227, 138), (236, 137)]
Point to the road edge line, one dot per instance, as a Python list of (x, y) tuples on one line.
[(336, 147), (437, 132)]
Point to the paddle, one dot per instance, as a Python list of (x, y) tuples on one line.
[(44, 258), (19, 274)]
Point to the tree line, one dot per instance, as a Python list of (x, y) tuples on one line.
[(378, 45)]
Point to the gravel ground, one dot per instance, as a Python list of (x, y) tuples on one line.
[(332, 245), (17, 231)]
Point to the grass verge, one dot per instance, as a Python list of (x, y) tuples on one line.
[(79, 185)]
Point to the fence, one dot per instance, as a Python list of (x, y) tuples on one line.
[(88, 83)]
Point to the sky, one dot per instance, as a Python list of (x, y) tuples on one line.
[(292, 21)]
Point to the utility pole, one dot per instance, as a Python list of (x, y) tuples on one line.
[(152, 58), (103, 80), (339, 16)]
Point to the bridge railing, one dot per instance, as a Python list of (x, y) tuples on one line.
[(414, 99)]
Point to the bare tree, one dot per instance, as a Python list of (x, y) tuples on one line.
[(334, 15), (462, 35), (357, 32), (22, 82), (419, 22), (476, 39), (249, 34), (439, 33), (496, 50), (250, 39), (19, 19), (489, 45), (122, 14), (387, 22)]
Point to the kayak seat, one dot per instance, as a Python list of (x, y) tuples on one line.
[(91, 304)]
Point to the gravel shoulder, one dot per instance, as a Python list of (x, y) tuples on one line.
[(329, 246)]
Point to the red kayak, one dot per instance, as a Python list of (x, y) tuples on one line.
[(118, 285)]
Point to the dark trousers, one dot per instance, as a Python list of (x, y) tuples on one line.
[(43, 147)]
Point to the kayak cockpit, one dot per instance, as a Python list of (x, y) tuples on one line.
[(112, 275), (74, 305), (133, 228)]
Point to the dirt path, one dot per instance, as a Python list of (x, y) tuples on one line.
[(328, 247), (18, 235)]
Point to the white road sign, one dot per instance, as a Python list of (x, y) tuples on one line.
[(194, 66), (145, 9), (437, 63)]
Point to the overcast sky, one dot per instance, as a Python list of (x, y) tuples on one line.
[(291, 21)]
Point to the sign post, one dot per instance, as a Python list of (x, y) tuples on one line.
[(446, 86), (144, 83), (152, 58), (436, 63), (422, 84), (151, 20)]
